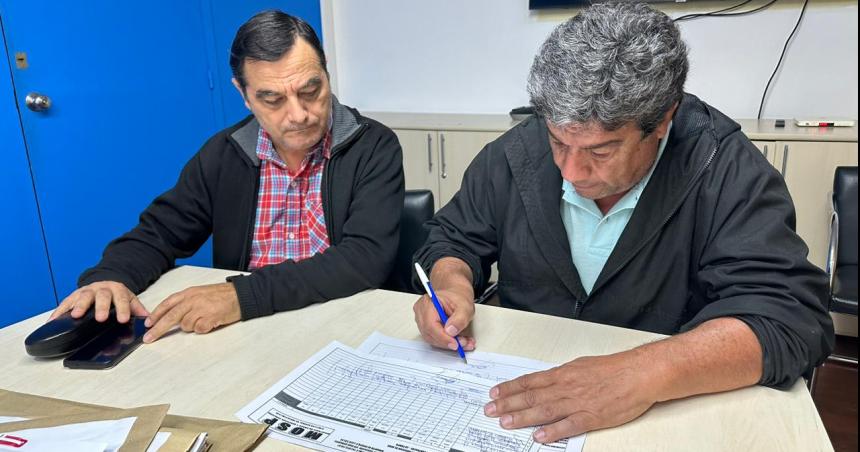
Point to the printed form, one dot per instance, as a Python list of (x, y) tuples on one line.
[(491, 366), (348, 400)]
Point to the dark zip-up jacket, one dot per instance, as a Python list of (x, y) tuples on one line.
[(362, 195), (712, 236)]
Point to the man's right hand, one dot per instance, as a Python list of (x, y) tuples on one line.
[(452, 280), (460, 310), (103, 294)]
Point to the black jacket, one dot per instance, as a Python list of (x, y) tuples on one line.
[(362, 195), (712, 236)]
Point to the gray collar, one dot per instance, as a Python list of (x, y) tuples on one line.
[(344, 125)]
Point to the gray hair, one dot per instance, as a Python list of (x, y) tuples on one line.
[(612, 63)]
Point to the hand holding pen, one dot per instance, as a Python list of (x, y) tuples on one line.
[(433, 321)]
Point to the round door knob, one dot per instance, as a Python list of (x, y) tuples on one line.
[(37, 102)]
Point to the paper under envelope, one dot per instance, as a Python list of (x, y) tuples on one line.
[(224, 436), (145, 422), (93, 436)]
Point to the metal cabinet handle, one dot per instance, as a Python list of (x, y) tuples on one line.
[(442, 153), (765, 152), (429, 154), (784, 159), (37, 102)]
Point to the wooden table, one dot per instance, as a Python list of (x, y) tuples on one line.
[(216, 374)]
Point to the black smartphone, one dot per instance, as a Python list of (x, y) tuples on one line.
[(110, 347)]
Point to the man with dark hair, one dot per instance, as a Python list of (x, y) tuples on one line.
[(305, 194), (627, 202)]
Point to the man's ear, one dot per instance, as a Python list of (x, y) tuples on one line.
[(241, 91), (663, 127)]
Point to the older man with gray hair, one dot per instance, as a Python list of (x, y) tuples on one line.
[(627, 202)]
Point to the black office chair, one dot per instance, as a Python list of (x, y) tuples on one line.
[(842, 257), (842, 265), (417, 209)]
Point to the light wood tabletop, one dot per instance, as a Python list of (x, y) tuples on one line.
[(216, 374)]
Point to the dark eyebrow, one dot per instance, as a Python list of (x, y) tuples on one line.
[(593, 146), (603, 144), (312, 83), (266, 93)]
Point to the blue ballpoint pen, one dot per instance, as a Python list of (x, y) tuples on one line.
[(432, 294)]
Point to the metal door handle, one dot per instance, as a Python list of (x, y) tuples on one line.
[(784, 159), (765, 152), (37, 102), (429, 154), (442, 153)]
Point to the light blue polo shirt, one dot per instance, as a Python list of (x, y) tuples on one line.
[(592, 235)]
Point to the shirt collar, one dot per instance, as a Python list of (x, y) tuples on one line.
[(266, 149), (628, 201)]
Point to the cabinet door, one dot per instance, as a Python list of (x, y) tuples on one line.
[(768, 149), (28, 288), (420, 160), (456, 152), (808, 169), (131, 102)]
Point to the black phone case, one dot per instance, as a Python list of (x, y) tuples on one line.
[(98, 354)]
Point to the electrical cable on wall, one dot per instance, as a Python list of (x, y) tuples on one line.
[(723, 12), (781, 56), (712, 13), (730, 12)]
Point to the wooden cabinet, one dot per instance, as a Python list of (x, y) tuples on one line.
[(456, 152), (436, 160), (767, 148), (808, 168), (420, 160), (437, 148)]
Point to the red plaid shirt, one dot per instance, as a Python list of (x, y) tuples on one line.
[(290, 222)]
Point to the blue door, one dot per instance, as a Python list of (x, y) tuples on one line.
[(27, 288), (134, 89), (130, 92)]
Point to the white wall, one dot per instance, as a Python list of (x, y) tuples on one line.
[(473, 56)]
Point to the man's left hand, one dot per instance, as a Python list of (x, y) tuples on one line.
[(588, 393), (199, 309)]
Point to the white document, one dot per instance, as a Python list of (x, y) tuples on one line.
[(100, 436), (345, 400), (491, 366), (159, 440), (199, 443), (4, 419)]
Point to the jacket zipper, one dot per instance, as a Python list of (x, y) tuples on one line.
[(249, 228), (327, 198), (327, 182), (577, 307)]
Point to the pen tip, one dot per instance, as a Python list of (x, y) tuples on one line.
[(464, 360)]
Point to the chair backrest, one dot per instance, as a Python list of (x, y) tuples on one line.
[(417, 209), (845, 205)]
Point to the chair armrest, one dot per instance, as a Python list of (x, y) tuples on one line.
[(833, 250), (488, 293)]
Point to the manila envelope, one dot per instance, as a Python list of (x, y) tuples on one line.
[(179, 441), (222, 435), (145, 427)]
